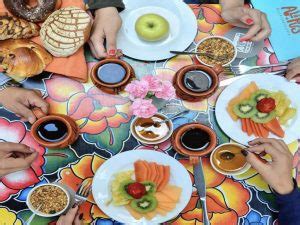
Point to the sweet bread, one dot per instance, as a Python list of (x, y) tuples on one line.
[(65, 31), (23, 9), (15, 28), (23, 58)]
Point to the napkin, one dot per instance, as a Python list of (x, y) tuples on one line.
[(74, 66)]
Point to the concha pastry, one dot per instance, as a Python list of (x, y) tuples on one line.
[(65, 31)]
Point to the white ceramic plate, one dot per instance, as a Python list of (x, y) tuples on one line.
[(270, 82), (124, 161), (183, 29)]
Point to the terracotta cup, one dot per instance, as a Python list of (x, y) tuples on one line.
[(72, 133), (194, 156), (188, 95), (112, 88)]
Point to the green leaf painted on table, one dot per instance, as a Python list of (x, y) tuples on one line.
[(222, 137), (111, 139), (37, 220), (58, 158), (269, 199)]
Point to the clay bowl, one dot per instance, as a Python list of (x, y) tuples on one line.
[(72, 129), (188, 95), (194, 156), (116, 87)]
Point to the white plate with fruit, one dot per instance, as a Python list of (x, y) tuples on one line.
[(151, 29), (260, 105), (142, 187)]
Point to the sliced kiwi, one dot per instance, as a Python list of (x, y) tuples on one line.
[(259, 95), (150, 187), (260, 117), (245, 109), (145, 204), (123, 189)]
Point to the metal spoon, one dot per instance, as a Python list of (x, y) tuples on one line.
[(156, 124)]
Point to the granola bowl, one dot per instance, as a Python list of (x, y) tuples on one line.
[(217, 46), (48, 200)]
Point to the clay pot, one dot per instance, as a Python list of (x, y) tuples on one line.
[(112, 88), (73, 129), (194, 156), (189, 95)]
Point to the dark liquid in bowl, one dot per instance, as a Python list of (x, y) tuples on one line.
[(52, 131), (111, 73), (197, 81), (195, 139)]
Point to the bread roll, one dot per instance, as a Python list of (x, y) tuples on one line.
[(15, 28), (23, 58), (65, 31)]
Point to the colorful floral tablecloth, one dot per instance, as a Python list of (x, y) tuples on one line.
[(104, 122)]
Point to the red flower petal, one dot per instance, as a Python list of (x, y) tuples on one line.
[(12, 131), (80, 106), (6, 192)]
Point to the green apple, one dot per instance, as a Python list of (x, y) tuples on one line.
[(152, 27)]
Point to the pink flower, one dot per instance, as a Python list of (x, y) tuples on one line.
[(143, 108), (137, 89), (166, 91), (154, 82)]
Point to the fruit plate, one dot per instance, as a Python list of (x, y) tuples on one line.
[(183, 29), (124, 161), (264, 81)]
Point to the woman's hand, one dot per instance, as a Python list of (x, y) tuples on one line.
[(15, 157), (71, 218), (278, 173), (234, 12), (293, 69), (106, 25), (19, 101)]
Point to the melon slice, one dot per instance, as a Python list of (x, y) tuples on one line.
[(134, 213), (172, 192)]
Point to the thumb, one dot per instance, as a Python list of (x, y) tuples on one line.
[(111, 44), (255, 161)]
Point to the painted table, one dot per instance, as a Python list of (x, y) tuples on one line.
[(104, 122)]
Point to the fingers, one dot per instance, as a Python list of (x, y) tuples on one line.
[(69, 217), (293, 69), (111, 42), (37, 101), (278, 144), (11, 165), (15, 147), (268, 148), (260, 28), (78, 219), (97, 43), (256, 163), (265, 29), (25, 112)]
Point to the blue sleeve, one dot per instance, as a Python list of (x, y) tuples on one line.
[(289, 207), (4, 79)]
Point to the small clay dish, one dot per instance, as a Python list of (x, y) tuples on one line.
[(37, 205), (185, 93), (227, 159), (193, 155), (117, 66), (146, 131), (216, 45), (71, 129)]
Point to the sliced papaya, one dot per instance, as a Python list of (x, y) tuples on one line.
[(148, 170), (274, 127), (257, 129), (166, 178), (253, 128), (243, 121), (153, 171), (161, 175), (248, 127), (134, 213), (139, 171), (172, 192), (157, 175), (264, 132)]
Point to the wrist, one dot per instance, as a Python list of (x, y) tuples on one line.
[(99, 12), (229, 4), (286, 187)]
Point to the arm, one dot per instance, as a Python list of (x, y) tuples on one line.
[(293, 70), (289, 206), (99, 4)]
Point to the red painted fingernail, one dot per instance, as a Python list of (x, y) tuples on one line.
[(112, 52), (249, 21)]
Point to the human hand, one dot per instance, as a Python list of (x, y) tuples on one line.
[(253, 19), (15, 157), (106, 26), (19, 101), (71, 218), (278, 173), (293, 69)]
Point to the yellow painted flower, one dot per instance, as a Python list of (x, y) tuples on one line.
[(8, 217)]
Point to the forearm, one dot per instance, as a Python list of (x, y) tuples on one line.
[(226, 4), (99, 4)]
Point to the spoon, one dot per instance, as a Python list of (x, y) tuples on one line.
[(30, 219), (156, 124), (227, 155)]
